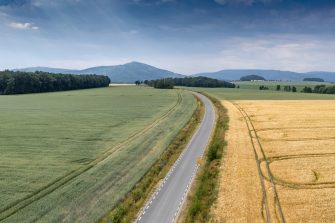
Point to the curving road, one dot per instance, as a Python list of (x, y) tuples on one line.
[(165, 203)]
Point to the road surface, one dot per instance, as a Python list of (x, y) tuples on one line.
[(165, 203)]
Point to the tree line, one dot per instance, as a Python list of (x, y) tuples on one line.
[(262, 87), (25, 82), (287, 88), (166, 83), (169, 83), (320, 89), (252, 77)]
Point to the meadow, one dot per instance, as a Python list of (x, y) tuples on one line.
[(283, 162), (273, 84), (255, 94), (71, 156)]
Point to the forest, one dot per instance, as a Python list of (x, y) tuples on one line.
[(12, 82), (169, 83)]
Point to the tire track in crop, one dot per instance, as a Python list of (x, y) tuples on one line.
[(251, 129), (297, 139), (11, 209), (276, 196), (294, 185), (294, 128), (265, 205)]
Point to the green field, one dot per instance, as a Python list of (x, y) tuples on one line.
[(255, 94), (273, 84), (70, 156)]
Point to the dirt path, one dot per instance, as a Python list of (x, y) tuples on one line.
[(240, 196)]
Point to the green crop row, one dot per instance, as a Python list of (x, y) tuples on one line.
[(72, 156)]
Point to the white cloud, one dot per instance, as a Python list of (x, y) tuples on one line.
[(286, 52), (26, 25), (3, 14), (280, 52), (48, 3)]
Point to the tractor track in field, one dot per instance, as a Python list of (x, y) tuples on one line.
[(295, 185), (16, 206), (251, 129), (294, 128)]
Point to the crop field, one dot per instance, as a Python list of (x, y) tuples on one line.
[(71, 156), (279, 165), (255, 94)]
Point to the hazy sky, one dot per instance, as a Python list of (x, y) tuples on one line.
[(185, 36)]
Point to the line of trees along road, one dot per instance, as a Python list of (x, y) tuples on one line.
[(24, 82), (189, 82)]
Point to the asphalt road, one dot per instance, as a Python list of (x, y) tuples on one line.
[(165, 203)]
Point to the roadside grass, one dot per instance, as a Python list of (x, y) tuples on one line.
[(128, 208), (255, 94), (205, 189), (71, 156)]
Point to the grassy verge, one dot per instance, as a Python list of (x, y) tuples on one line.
[(204, 191), (128, 208)]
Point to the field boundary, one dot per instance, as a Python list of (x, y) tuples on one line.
[(14, 207), (203, 192), (128, 208)]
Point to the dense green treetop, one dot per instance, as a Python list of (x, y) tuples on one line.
[(26, 82)]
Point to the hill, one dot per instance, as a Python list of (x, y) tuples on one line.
[(126, 73), (231, 75), (252, 78), (130, 72), (48, 70), (315, 79), (326, 76)]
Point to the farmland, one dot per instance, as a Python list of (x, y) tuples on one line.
[(279, 163), (273, 84), (255, 94), (71, 156)]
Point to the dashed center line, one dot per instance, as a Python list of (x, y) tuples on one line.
[(167, 200)]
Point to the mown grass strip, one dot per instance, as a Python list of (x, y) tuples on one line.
[(128, 208), (205, 189)]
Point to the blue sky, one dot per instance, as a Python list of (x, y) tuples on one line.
[(185, 36)]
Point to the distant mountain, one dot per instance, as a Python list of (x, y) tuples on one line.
[(126, 73), (48, 69), (315, 79), (130, 72), (230, 75), (327, 76)]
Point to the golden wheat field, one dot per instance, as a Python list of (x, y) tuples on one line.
[(279, 164)]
